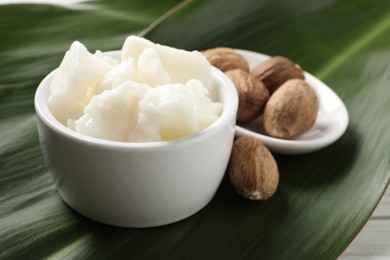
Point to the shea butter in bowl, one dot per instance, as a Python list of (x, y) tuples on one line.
[(126, 168)]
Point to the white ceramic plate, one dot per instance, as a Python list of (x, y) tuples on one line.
[(331, 123)]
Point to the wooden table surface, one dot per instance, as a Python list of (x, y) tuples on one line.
[(373, 242)]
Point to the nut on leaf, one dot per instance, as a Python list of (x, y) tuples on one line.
[(252, 169), (252, 95), (291, 110), (277, 70), (226, 59)]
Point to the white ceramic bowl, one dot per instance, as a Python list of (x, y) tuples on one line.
[(137, 184)]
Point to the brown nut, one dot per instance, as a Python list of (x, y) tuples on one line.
[(252, 95), (226, 59), (277, 70), (252, 169), (291, 110)]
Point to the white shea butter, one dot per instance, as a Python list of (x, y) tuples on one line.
[(153, 93), (75, 82)]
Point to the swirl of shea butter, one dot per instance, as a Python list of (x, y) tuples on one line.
[(153, 93)]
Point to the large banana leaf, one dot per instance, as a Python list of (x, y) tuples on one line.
[(324, 198)]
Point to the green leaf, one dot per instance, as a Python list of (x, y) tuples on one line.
[(324, 198)]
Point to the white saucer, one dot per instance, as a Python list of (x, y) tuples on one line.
[(331, 123)]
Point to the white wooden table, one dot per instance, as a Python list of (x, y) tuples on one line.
[(373, 242)]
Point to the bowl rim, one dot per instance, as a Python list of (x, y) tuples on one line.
[(229, 111)]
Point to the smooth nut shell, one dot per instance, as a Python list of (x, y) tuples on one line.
[(277, 70), (252, 169), (252, 95), (291, 110), (226, 59)]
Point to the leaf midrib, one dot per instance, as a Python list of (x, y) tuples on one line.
[(364, 40)]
